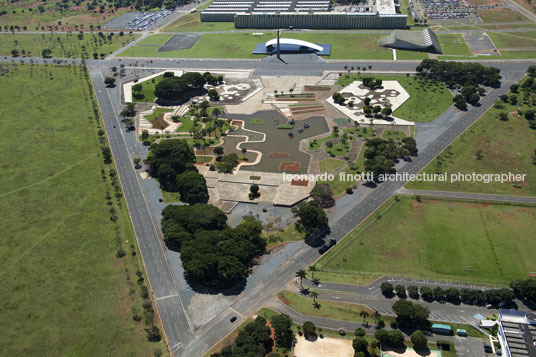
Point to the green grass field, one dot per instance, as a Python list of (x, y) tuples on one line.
[(393, 134), (422, 93), (192, 23), (26, 15), (329, 165), (64, 290), (240, 45), (501, 15), (62, 45), (147, 91), (155, 40), (503, 148), (454, 44), (513, 39), (440, 239)]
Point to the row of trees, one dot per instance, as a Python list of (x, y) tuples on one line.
[(460, 73), (453, 295), (381, 155), (213, 254)]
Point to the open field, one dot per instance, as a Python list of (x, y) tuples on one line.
[(147, 90), (38, 16), (454, 45), (240, 45), (503, 148), (192, 23), (502, 14), (491, 243), (330, 165), (513, 39), (64, 290), (417, 107), (393, 134), (527, 4), (158, 39), (63, 45), (288, 234)]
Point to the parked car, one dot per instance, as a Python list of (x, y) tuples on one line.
[(232, 319), (487, 348)]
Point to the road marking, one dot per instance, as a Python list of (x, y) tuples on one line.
[(166, 297)]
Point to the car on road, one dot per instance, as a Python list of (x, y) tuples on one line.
[(326, 247), (487, 348), (232, 319)]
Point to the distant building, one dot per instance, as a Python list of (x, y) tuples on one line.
[(425, 40), (304, 14), (517, 333)]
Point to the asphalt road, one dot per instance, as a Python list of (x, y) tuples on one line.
[(470, 196), (174, 320), (180, 338)]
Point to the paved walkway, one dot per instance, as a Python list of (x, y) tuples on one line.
[(470, 196)]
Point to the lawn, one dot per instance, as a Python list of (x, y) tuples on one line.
[(330, 165), (337, 185), (513, 39), (192, 23), (27, 16), (155, 40), (501, 15), (62, 45), (420, 239), (147, 92), (288, 234), (339, 149), (317, 143), (257, 121), (64, 290), (361, 131), (187, 125), (454, 44), (393, 134), (240, 45), (503, 148), (418, 107), (328, 309)]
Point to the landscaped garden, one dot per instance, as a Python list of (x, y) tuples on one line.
[(418, 238), (422, 92)]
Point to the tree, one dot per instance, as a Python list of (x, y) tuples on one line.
[(228, 163), (383, 337), (311, 217), (439, 294), (145, 135), (503, 116), (367, 110), (168, 159), (15, 53), (396, 338), (254, 191), (109, 81), (419, 340), (364, 315), (400, 291), (137, 87), (218, 150), (171, 89), (323, 195), (314, 295), (136, 162), (386, 288), (213, 95), (452, 295), (129, 111), (312, 269), (367, 100), (459, 102), (283, 333), (387, 111), (427, 293), (46, 53), (359, 332), (106, 154), (413, 292), (376, 316), (194, 79), (302, 275), (376, 109), (192, 187), (309, 330), (360, 344), (514, 88)]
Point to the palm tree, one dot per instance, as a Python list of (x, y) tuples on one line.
[(302, 275), (314, 295), (364, 315), (312, 269), (377, 316)]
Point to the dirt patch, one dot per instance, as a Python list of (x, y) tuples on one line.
[(272, 335), (289, 166), (299, 183), (316, 88), (277, 154), (323, 347), (159, 122)]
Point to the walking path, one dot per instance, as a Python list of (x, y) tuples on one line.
[(470, 196)]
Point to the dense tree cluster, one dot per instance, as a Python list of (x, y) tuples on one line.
[(323, 195), (461, 73), (372, 83), (213, 80), (253, 341), (381, 154), (311, 217), (419, 340), (227, 163), (212, 254), (168, 159), (284, 336), (525, 289), (338, 98), (411, 315), (393, 338), (174, 88)]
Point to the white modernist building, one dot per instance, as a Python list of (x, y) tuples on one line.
[(290, 44)]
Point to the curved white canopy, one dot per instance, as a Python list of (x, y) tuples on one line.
[(291, 41)]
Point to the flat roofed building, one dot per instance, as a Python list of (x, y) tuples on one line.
[(425, 40), (517, 333)]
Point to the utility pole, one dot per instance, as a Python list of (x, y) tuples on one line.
[(278, 46)]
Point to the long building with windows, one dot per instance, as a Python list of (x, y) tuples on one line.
[(517, 333), (303, 14)]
